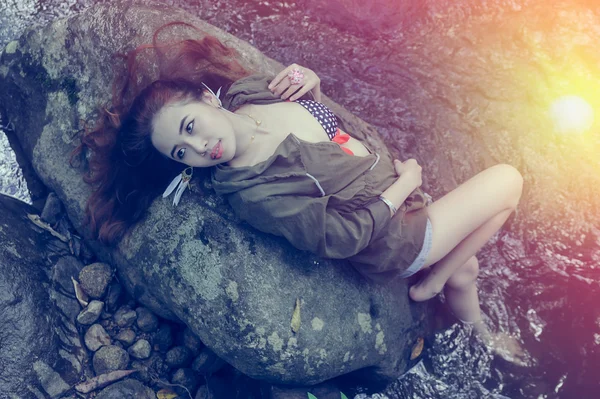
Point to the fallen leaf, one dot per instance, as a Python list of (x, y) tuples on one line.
[(40, 223), (295, 324), (102, 380), (417, 349), (81, 296), (166, 393)]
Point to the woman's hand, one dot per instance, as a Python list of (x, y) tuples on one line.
[(281, 85), (409, 171)]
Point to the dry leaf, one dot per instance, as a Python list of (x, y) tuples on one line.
[(102, 380), (40, 223), (166, 393), (417, 349), (295, 324), (81, 296)]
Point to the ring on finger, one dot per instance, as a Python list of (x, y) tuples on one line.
[(296, 76)]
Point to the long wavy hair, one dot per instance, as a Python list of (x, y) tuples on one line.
[(125, 170)]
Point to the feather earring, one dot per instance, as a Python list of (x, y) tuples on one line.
[(180, 182), (216, 95)]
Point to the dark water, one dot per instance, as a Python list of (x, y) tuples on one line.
[(460, 86)]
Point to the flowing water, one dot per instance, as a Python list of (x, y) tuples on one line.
[(459, 85)]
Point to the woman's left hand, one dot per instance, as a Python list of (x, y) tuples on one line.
[(281, 85)]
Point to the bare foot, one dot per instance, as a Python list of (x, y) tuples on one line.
[(509, 349), (425, 289)]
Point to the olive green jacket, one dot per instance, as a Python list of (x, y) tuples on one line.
[(320, 198)]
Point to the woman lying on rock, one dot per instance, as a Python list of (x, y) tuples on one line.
[(287, 168)]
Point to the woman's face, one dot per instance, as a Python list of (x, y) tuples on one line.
[(195, 133)]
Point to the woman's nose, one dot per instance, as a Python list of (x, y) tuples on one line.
[(199, 145)]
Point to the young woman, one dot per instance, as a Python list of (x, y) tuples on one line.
[(286, 168)]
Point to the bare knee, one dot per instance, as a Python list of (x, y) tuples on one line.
[(513, 182), (466, 274)]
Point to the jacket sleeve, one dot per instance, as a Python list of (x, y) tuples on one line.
[(311, 224)]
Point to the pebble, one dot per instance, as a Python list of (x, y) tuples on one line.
[(126, 336), (90, 314), (146, 320), (188, 378), (52, 209), (207, 362), (96, 337), (125, 316), (179, 356), (140, 350), (110, 358), (163, 338), (128, 388), (94, 279), (191, 341), (66, 267)]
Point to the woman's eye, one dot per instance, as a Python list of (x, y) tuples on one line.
[(190, 127), (181, 153)]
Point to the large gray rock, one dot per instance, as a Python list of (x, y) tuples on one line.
[(40, 348), (233, 286)]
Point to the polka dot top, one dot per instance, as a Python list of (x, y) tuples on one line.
[(326, 118)]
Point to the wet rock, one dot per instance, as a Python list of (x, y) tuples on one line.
[(163, 338), (207, 362), (51, 95), (91, 312), (146, 320), (140, 350), (179, 356), (65, 268), (114, 296), (125, 317), (110, 358), (191, 341), (127, 389), (186, 377), (96, 337), (321, 391), (94, 279), (52, 211), (126, 336), (33, 328)]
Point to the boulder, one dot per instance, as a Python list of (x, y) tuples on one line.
[(41, 354), (235, 288)]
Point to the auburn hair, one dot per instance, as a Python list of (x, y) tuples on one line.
[(124, 169)]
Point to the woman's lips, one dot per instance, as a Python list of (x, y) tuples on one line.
[(217, 151)]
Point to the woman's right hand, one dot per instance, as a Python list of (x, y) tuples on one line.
[(409, 171)]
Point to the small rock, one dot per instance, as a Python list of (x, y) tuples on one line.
[(163, 338), (191, 341), (91, 313), (124, 316), (94, 279), (52, 209), (188, 378), (207, 362), (96, 337), (110, 358), (140, 350), (325, 390), (65, 268), (129, 388), (126, 336), (146, 320), (179, 356), (114, 296)]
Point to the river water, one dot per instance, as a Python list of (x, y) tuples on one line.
[(460, 85)]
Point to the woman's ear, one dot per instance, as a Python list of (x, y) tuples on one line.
[(210, 99)]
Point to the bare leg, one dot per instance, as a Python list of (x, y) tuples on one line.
[(453, 261)]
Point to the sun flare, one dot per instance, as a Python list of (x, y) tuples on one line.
[(571, 114)]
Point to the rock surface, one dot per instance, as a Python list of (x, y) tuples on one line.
[(233, 286), (36, 321)]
